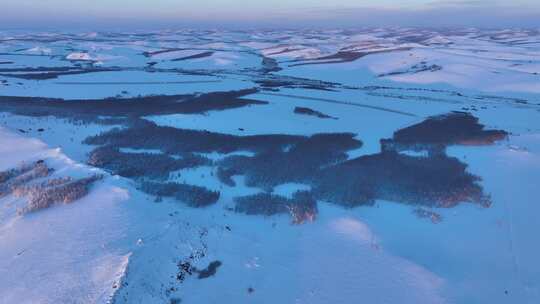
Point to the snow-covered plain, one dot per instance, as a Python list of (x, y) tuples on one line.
[(124, 243)]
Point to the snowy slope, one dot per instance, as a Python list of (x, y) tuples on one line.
[(117, 244)]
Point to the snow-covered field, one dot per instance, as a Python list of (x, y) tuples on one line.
[(348, 166)]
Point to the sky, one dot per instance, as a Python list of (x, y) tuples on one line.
[(141, 14)]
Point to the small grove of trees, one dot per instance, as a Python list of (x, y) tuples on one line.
[(301, 207), (147, 165), (311, 112), (16, 177), (24, 181), (193, 196), (54, 191)]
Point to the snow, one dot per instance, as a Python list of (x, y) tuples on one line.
[(292, 51), (39, 50), (119, 243), (58, 255), (79, 56), (103, 236)]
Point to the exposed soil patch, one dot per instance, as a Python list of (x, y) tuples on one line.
[(185, 266), (185, 269)]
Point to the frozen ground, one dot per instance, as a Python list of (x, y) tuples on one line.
[(270, 167)]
